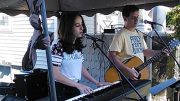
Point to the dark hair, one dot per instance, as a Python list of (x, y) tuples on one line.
[(129, 9), (65, 32)]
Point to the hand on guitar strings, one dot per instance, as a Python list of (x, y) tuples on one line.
[(133, 74)]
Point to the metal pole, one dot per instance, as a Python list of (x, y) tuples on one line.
[(177, 93), (48, 54)]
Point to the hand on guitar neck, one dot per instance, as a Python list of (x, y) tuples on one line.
[(167, 52)]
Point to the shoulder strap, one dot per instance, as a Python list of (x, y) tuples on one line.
[(143, 33), (155, 40)]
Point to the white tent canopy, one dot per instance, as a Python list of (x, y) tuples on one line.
[(87, 7)]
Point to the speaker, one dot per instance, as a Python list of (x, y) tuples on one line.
[(109, 31), (31, 86)]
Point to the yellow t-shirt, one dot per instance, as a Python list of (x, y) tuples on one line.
[(128, 44)]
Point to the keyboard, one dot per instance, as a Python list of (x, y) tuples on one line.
[(118, 90)]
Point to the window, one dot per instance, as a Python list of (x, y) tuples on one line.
[(5, 22)]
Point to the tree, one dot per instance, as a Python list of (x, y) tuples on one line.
[(173, 19)]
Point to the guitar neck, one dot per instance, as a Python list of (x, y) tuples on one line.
[(156, 57)]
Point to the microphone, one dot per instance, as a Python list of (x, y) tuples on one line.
[(93, 38), (152, 23)]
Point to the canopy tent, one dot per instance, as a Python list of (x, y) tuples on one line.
[(87, 7)]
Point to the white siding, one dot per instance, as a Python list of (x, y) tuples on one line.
[(90, 23), (15, 38), (14, 41)]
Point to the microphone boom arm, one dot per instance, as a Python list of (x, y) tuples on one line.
[(93, 38), (152, 23)]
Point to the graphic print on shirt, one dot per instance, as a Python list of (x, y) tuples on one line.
[(136, 44), (74, 56)]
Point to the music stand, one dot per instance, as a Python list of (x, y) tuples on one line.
[(156, 89), (173, 83)]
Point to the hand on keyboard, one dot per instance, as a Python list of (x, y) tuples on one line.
[(84, 89), (100, 84)]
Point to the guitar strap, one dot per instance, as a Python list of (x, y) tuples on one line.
[(143, 33), (155, 40)]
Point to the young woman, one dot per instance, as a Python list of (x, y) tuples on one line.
[(67, 58)]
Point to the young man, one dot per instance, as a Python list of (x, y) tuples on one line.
[(129, 42)]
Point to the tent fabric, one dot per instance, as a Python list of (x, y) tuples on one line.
[(37, 41), (86, 7)]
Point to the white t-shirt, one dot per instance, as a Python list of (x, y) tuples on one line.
[(128, 44), (70, 64)]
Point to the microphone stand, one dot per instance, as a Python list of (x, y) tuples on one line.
[(127, 80), (168, 48), (175, 85)]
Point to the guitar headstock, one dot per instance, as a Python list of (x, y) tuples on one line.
[(173, 43)]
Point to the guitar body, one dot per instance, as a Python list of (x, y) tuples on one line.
[(112, 75)]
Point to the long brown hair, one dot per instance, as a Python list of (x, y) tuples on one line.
[(65, 32)]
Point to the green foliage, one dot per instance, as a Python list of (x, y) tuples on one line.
[(170, 66), (173, 19)]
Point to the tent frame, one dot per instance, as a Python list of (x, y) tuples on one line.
[(48, 54)]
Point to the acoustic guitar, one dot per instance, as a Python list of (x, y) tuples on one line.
[(112, 74)]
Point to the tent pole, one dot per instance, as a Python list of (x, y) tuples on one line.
[(48, 54)]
